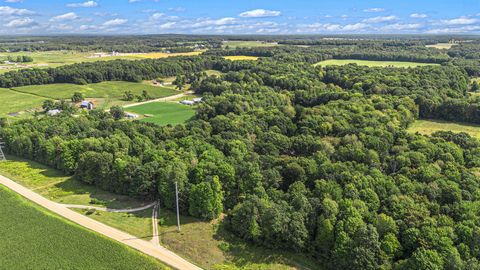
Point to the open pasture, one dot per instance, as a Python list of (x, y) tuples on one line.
[(441, 46), (113, 89), (341, 62), (427, 127), (35, 237), (13, 102), (164, 113)]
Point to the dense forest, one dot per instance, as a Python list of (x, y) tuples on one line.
[(305, 158)]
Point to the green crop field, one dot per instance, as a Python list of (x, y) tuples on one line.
[(54, 185), (341, 62), (428, 127), (33, 238), (113, 89), (164, 113), (233, 44), (13, 102)]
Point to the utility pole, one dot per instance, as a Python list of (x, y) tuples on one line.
[(178, 210), (2, 156)]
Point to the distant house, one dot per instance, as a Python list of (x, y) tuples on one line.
[(187, 102), (197, 100), (131, 115), (87, 105), (53, 112)]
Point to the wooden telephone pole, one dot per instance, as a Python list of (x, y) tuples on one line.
[(178, 210)]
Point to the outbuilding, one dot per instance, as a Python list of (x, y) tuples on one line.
[(53, 112), (187, 102), (87, 105)]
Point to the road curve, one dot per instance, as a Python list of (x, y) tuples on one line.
[(161, 253), (169, 98)]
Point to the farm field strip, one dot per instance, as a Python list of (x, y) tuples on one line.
[(163, 113), (341, 62), (241, 57)]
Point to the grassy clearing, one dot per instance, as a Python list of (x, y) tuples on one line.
[(441, 46), (33, 238), (234, 44), (212, 72), (428, 127), (164, 113), (13, 102), (212, 247), (138, 223), (111, 89), (341, 62), (57, 187), (241, 57)]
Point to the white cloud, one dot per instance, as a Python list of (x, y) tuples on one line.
[(374, 10), (401, 26), (21, 23), (210, 22), (459, 21), (9, 11), (13, 1), (418, 15), (87, 4), (454, 30), (65, 17), (380, 19), (115, 22), (260, 13), (329, 27), (133, 1)]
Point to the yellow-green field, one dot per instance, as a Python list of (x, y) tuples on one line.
[(34, 238), (60, 58), (441, 46), (341, 62), (427, 127), (240, 57), (13, 101), (164, 113), (233, 44)]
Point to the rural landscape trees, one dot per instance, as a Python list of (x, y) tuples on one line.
[(311, 159)]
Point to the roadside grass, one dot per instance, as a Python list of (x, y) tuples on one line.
[(56, 186), (109, 89), (234, 44), (13, 102), (212, 247), (164, 113), (427, 127), (341, 62), (137, 223), (241, 57), (34, 238), (441, 46)]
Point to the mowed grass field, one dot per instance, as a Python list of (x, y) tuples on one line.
[(241, 57), (164, 113), (55, 186), (427, 127), (110, 89), (233, 44), (341, 62), (12, 101), (33, 238)]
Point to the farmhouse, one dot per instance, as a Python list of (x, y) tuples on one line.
[(197, 100), (87, 105)]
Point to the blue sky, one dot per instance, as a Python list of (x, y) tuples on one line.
[(239, 16)]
